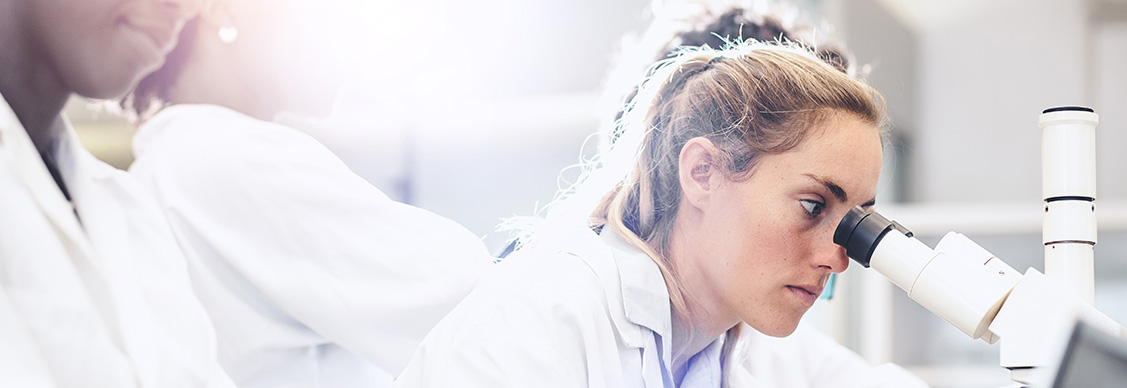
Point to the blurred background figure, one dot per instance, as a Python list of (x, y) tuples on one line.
[(521, 83), (93, 290), (312, 276)]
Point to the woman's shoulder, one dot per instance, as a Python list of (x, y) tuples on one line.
[(217, 133), (536, 320), (542, 311), (533, 309), (563, 257), (216, 142), (549, 275)]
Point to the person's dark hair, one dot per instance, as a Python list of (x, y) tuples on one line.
[(739, 24), (715, 28), (155, 90)]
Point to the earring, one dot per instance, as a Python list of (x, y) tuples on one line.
[(228, 34)]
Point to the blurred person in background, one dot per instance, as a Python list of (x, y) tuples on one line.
[(714, 206), (93, 289), (312, 276)]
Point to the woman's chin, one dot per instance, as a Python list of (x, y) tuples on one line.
[(107, 85), (778, 328)]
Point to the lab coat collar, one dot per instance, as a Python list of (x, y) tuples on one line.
[(20, 152), (645, 298), (81, 172), (639, 311), (641, 306), (645, 301)]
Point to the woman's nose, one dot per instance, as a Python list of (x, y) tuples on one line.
[(831, 256)]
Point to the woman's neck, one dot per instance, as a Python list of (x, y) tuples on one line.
[(31, 88), (687, 341), (34, 91), (707, 317)]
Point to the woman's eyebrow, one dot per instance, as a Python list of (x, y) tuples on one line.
[(837, 191), (834, 188)]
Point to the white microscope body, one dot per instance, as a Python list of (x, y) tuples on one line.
[(983, 296)]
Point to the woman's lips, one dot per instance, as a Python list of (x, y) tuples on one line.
[(806, 294), (161, 35)]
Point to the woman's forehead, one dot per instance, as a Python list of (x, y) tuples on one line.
[(846, 152)]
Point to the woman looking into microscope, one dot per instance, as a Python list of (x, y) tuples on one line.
[(715, 205), (808, 357)]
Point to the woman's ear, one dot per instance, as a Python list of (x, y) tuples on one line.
[(698, 172)]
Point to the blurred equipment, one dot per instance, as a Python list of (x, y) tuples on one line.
[(980, 294), (1092, 359)]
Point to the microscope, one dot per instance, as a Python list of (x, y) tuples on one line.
[(980, 294)]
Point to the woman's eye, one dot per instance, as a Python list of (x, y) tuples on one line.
[(812, 207)]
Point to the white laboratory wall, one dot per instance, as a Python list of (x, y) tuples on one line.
[(504, 159), (1110, 84), (987, 72), (983, 72)]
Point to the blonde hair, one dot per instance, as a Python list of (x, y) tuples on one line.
[(749, 98)]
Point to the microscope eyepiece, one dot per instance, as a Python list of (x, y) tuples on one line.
[(860, 231)]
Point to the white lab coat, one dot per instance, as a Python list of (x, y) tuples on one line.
[(808, 358), (312, 276), (21, 364), (593, 315), (105, 302)]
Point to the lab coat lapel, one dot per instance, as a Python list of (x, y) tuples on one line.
[(90, 182), (655, 373), (33, 173), (106, 223), (636, 308), (645, 301)]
